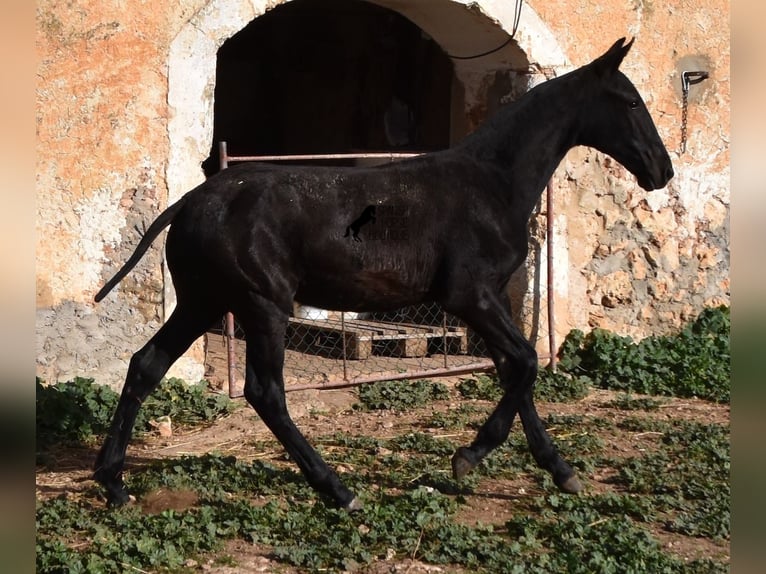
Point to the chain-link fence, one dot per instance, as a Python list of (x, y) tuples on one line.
[(325, 349)]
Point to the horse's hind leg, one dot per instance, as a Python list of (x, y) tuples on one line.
[(147, 367), (265, 326), (516, 362)]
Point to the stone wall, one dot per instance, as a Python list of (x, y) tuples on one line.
[(111, 152), (641, 263)]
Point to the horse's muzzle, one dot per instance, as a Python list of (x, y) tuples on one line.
[(659, 177)]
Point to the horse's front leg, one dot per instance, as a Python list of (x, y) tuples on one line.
[(516, 363)]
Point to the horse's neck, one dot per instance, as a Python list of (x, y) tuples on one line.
[(526, 142)]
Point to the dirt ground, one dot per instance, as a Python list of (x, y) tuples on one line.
[(321, 412)]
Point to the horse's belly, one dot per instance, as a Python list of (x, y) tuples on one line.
[(367, 290)]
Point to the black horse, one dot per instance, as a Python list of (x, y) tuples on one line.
[(254, 238)]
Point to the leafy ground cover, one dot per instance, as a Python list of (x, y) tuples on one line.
[(81, 410), (220, 496), (696, 362)]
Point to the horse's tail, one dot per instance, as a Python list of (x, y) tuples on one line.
[(165, 218)]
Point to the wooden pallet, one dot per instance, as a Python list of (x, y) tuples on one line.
[(364, 338)]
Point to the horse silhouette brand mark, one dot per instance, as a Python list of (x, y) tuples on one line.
[(368, 216), (390, 223)]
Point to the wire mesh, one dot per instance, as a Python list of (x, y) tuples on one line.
[(330, 349), (324, 347)]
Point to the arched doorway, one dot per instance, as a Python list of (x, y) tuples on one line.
[(333, 77), (458, 27)]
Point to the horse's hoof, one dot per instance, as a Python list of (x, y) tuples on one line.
[(116, 492), (462, 463), (115, 500), (354, 505), (571, 485)]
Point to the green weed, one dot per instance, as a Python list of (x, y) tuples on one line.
[(595, 534), (80, 410), (549, 386), (689, 475), (216, 477), (696, 362), (464, 416), (400, 395), (480, 387), (627, 402)]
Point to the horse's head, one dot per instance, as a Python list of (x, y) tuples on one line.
[(616, 121)]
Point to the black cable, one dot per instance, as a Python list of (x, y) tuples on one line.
[(516, 19)]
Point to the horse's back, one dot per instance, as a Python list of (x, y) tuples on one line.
[(289, 228)]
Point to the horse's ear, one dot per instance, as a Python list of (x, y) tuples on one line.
[(610, 60)]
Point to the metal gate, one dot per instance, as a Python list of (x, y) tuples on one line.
[(329, 349)]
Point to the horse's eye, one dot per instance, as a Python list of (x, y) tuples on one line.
[(634, 104)]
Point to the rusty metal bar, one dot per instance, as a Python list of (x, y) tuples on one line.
[(231, 355), (444, 336), (468, 368), (223, 156), (343, 343), (549, 252), (356, 381), (231, 341), (323, 156)]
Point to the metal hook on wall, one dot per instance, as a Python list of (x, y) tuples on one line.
[(688, 78)]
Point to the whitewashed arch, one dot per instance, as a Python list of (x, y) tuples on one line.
[(192, 61)]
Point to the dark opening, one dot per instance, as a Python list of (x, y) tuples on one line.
[(335, 76)]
